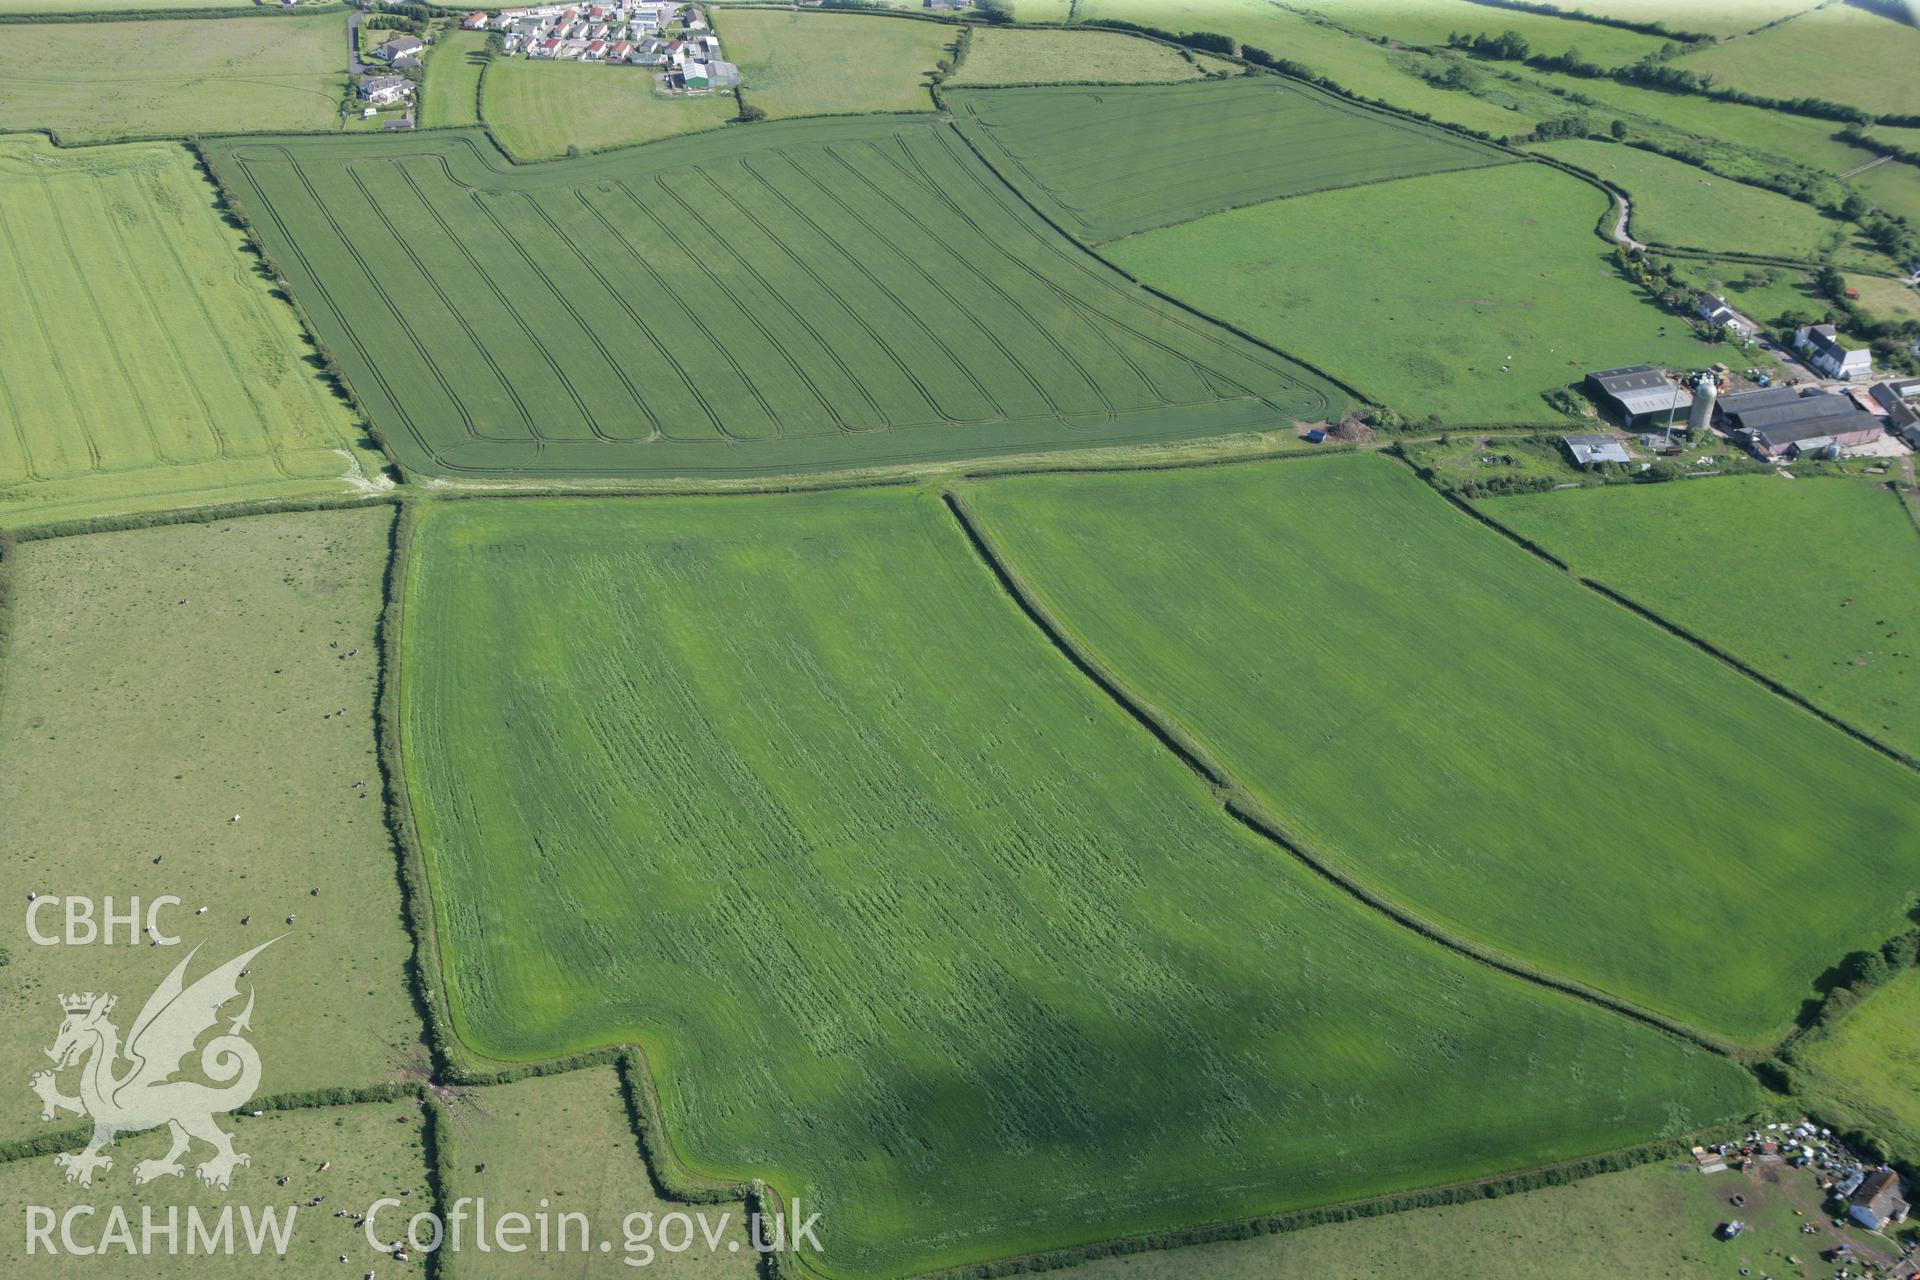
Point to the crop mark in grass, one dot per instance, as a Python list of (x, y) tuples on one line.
[(660, 348), (794, 312), (494, 365), (932, 344), (693, 313), (481, 202), (79, 416), (134, 387), (957, 262), (273, 214)]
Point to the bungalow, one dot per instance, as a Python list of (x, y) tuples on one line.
[(475, 21), (619, 52), (548, 48), (595, 50), (649, 53), (382, 90), (1822, 347), (399, 47), (1879, 1200)]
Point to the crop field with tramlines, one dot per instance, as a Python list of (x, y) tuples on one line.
[(1815, 589), (143, 362), (785, 298), (1438, 712), (1108, 161), (910, 917)]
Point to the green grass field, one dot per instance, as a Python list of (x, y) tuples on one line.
[(1351, 61), (158, 683), (1650, 1223), (1438, 712), (1430, 22), (375, 1151), (1712, 17), (538, 108), (1840, 52), (1886, 299), (813, 64), (1811, 582), (1862, 1069), (1680, 204), (107, 81), (774, 298), (1107, 162), (565, 1140), (1421, 292), (109, 6), (143, 363), (1011, 55), (909, 917), (452, 94)]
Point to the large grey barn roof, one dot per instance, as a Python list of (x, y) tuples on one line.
[(1640, 388), (1816, 412)]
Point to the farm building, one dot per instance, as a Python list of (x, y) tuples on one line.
[(1773, 421), (1639, 395), (1821, 345), (1901, 400), (1591, 451), (1879, 1200)]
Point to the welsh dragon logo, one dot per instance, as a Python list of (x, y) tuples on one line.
[(144, 1095)]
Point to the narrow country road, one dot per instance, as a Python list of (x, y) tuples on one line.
[(355, 67), (1620, 235)]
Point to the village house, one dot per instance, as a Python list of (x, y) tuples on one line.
[(1879, 1200), (475, 21), (399, 47), (383, 90), (1821, 345), (1714, 310)]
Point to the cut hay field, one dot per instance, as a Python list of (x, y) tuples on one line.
[(1862, 1071), (1436, 711), (1655, 1222), (1011, 55), (143, 363), (1681, 204), (1107, 162), (101, 82), (537, 108), (566, 1139), (910, 918), (157, 683), (1352, 281), (1886, 299), (375, 1150), (1711, 17), (1811, 583), (1840, 52), (814, 64), (452, 93), (1351, 61), (776, 298)]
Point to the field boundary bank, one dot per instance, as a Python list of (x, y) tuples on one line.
[(1241, 805), (1673, 628), (69, 17)]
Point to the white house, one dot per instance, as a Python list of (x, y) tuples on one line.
[(381, 90), (1822, 347)]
